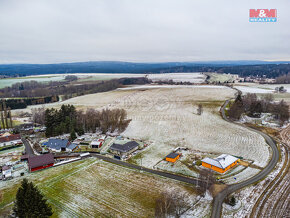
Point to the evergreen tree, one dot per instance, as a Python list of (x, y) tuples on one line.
[(73, 135), (30, 202)]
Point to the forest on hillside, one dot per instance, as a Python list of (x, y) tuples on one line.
[(243, 68)]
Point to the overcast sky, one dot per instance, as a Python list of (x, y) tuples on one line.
[(53, 31)]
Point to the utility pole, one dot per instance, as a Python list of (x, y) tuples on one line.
[(141, 164)]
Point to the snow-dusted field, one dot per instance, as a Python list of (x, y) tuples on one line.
[(260, 88), (246, 89), (178, 77), (167, 117), (94, 188)]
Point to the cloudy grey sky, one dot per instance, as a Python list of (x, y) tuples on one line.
[(51, 31)]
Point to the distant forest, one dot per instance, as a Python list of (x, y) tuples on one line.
[(243, 68), (31, 92)]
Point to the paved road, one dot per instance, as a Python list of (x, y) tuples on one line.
[(160, 173), (218, 200), (28, 149)]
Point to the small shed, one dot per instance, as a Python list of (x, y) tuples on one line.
[(97, 143), (172, 157), (72, 147), (6, 172)]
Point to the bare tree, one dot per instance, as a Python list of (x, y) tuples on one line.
[(38, 115), (173, 203), (199, 109)]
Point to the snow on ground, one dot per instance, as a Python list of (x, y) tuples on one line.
[(10, 155), (242, 176), (168, 117), (260, 88), (249, 195), (94, 188), (178, 77), (171, 86), (177, 167), (246, 89)]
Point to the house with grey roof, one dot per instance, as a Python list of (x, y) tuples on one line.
[(221, 163), (124, 149), (57, 145)]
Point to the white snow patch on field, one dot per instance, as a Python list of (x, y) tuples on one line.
[(168, 117), (261, 88), (178, 77), (246, 89), (172, 86)]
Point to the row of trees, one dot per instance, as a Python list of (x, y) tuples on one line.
[(19, 103), (68, 120), (284, 79), (54, 88), (6, 116), (253, 106)]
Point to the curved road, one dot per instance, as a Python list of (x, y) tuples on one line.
[(28, 149), (218, 199)]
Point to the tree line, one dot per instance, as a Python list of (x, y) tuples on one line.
[(30, 89), (253, 106), (261, 70), (19, 103), (68, 120), (5, 115), (284, 79)]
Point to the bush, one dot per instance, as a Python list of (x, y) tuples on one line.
[(198, 162)]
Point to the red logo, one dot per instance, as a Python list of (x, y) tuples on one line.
[(263, 15)]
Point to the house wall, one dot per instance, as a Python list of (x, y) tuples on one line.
[(124, 153), (173, 160), (41, 167)]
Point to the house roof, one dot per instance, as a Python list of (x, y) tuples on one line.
[(57, 144), (222, 161), (41, 160), (6, 167), (95, 142), (25, 157), (72, 146), (125, 147), (10, 138), (172, 155)]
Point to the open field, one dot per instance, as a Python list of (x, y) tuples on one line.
[(221, 77), (42, 78), (167, 117), (178, 77), (83, 77), (94, 188), (263, 89)]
